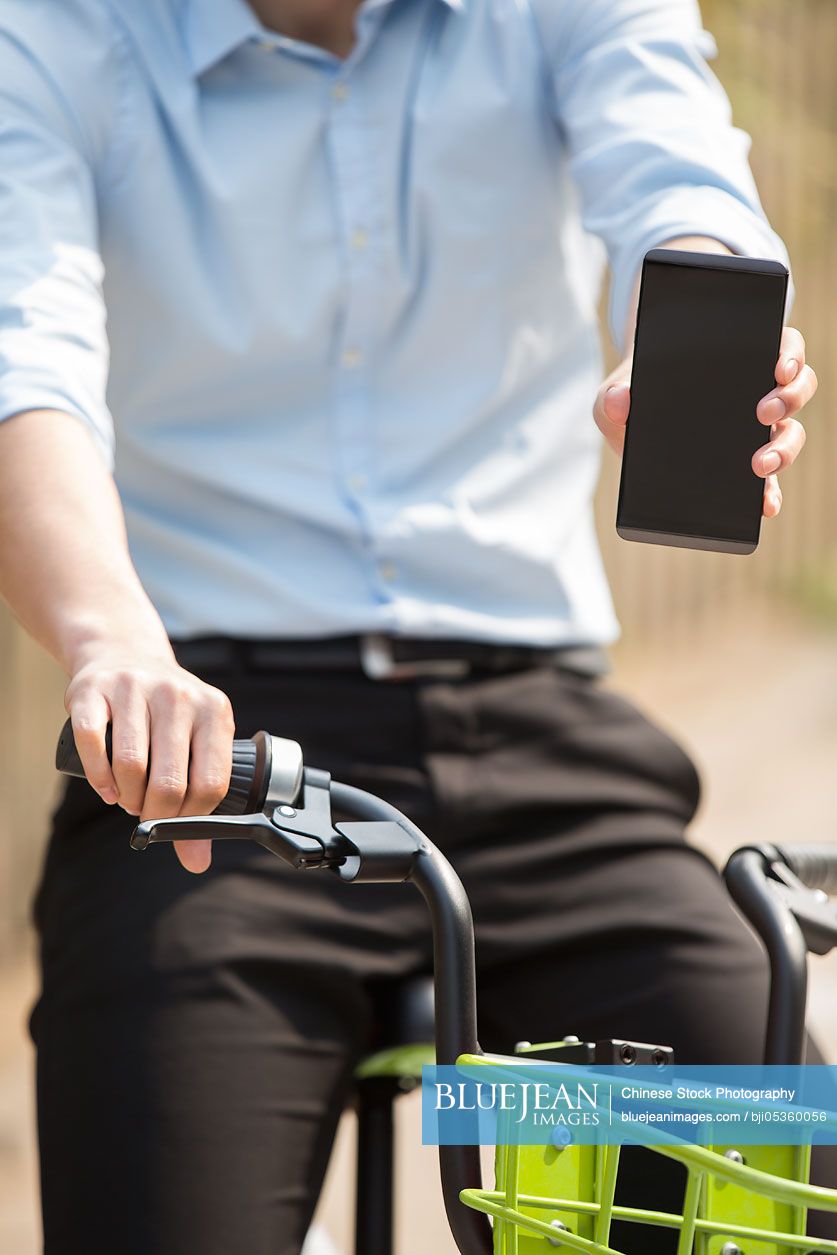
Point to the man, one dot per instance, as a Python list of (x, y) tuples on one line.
[(350, 290)]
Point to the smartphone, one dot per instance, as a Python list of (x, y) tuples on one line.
[(707, 343)]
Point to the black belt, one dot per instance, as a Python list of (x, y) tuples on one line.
[(385, 657)]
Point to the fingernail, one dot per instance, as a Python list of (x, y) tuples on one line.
[(771, 462), (110, 796), (791, 368), (617, 394), (773, 410)]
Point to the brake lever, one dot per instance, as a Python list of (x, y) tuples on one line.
[(812, 909), (293, 848), (302, 836)]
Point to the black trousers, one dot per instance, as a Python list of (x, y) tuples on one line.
[(196, 1035)]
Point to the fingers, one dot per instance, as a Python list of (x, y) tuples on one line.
[(130, 742), (772, 497), (781, 452), (208, 779), (789, 399), (797, 384), (90, 715), (791, 355), (211, 756), (209, 775), (784, 448), (194, 856), (191, 761), (796, 381), (171, 736), (162, 715)]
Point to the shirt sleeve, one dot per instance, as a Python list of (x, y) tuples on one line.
[(649, 134), (53, 343)]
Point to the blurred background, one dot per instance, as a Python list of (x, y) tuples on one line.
[(737, 656)]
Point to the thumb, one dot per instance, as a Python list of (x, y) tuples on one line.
[(611, 410), (617, 402)]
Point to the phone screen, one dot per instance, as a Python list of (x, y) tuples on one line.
[(707, 343)]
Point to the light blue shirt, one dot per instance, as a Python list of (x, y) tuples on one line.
[(351, 306)]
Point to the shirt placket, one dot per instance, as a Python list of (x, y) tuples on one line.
[(354, 141)]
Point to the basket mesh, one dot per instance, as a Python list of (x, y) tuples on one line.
[(547, 1197)]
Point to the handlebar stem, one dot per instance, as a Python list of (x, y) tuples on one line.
[(455, 994)]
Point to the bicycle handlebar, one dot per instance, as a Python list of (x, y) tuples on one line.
[(287, 808), (782, 892), (815, 865), (265, 769), (273, 800)]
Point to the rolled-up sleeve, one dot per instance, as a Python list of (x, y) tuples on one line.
[(53, 342), (648, 129)]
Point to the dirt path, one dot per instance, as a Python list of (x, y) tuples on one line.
[(756, 702)]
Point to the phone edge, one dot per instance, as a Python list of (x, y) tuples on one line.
[(721, 261)]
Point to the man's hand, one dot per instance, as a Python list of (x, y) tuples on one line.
[(172, 738), (67, 574), (796, 385)]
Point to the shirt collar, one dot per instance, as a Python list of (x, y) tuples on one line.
[(214, 28)]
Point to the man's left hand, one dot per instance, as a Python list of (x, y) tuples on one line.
[(796, 385)]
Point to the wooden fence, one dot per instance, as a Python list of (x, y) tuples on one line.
[(32, 711), (777, 59)]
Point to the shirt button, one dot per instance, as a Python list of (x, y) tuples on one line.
[(388, 572), (352, 358), (359, 239), (340, 91)]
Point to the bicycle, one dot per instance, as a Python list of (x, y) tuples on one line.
[(287, 808)]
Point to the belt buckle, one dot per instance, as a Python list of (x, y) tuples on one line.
[(378, 662)]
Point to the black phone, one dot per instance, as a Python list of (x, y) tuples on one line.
[(707, 343)]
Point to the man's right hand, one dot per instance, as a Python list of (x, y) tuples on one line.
[(171, 738), (66, 571)]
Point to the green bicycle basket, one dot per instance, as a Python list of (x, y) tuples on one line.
[(752, 1202)]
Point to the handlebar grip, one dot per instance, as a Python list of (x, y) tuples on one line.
[(815, 864), (249, 782), (66, 755)]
